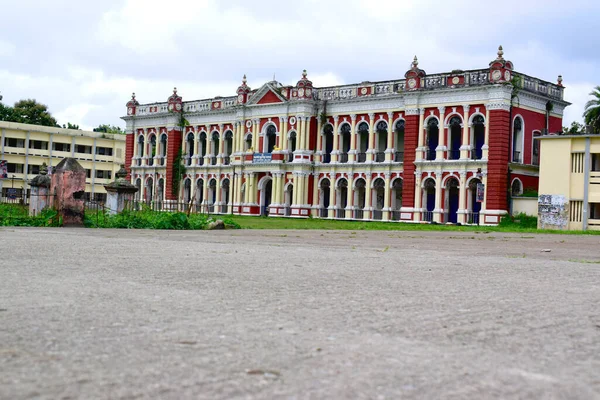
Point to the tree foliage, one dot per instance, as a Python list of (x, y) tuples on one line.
[(109, 129), (574, 129), (29, 111), (591, 114), (71, 126)]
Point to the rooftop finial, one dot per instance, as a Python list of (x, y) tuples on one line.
[(133, 96), (500, 52), (560, 80), (174, 90), (415, 62), (244, 79), (304, 73)]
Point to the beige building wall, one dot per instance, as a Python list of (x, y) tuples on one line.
[(569, 188), (26, 147)]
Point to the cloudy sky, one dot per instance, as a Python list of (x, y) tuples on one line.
[(83, 59)]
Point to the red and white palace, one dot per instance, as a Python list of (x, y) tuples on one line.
[(449, 147)]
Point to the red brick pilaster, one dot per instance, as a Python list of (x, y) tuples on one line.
[(173, 147), (129, 140), (411, 137), (498, 158)]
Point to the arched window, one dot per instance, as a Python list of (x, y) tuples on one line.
[(433, 137), (363, 141), (327, 143), (455, 138), (517, 142), (163, 148), (478, 140), (399, 141), (152, 149), (140, 146), (381, 129), (345, 142), (202, 148), (248, 142), (228, 147), (291, 146), (270, 139), (535, 148), (516, 188), (215, 148), (189, 148)]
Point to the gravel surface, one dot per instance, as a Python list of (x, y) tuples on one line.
[(122, 314)]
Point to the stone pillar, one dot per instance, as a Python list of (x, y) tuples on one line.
[(315, 202), (129, 145), (368, 195), (39, 197), (465, 145), (68, 185), (411, 139), (462, 198), (221, 145), (352, 152), (418, 201), (437, 212), (307, 133), (441, 149), (421, 135), (319, 150), (496, 189), (386, 199), (349, 199), (389, 151), (174, 136), (255, 136), (371, 143), (332, 198), (119, 192), (485, 147), (336, 140), (284, 134), (218, 194)]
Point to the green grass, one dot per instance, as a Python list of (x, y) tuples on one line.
[(519, 225), (18, 215)]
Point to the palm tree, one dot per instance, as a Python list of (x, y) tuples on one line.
[(592, 110)]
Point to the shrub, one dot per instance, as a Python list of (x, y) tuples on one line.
[(519, 221)]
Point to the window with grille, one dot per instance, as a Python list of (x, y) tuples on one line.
[(577, 163), (576, 211)]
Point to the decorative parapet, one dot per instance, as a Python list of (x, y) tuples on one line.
[(450, 80)]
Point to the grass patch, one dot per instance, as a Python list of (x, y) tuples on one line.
[(584, 261), (518, 225), (18, 215)]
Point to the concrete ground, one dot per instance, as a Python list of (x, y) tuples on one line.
[(298, 314)]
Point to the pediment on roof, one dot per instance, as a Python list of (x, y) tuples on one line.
[(267, 94)]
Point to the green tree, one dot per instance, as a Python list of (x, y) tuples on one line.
[(591, 114), (29, 111), (7, 113), (71, 126), (574, 129), (109, 129)]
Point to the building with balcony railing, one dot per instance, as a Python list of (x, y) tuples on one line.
[(569, 187), (436, 148), (24, 148)]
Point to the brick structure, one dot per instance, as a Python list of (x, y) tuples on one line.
[(430, 147)]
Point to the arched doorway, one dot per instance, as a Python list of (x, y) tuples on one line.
[(396, 199), (160, 194), (378, 198), (399, 141), (199, 194), (152, 149), (149, 190), (228, 147), (187, 191), (288, 198), (517, 142), (474, 206), (212, 195), (224, 196), (433, 138), (215, 148), (266, 191), (342, 198), (429, 199), (324, 198), (451, 202), (359, 198)]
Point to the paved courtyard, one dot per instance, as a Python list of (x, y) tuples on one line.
[(298, 314)]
